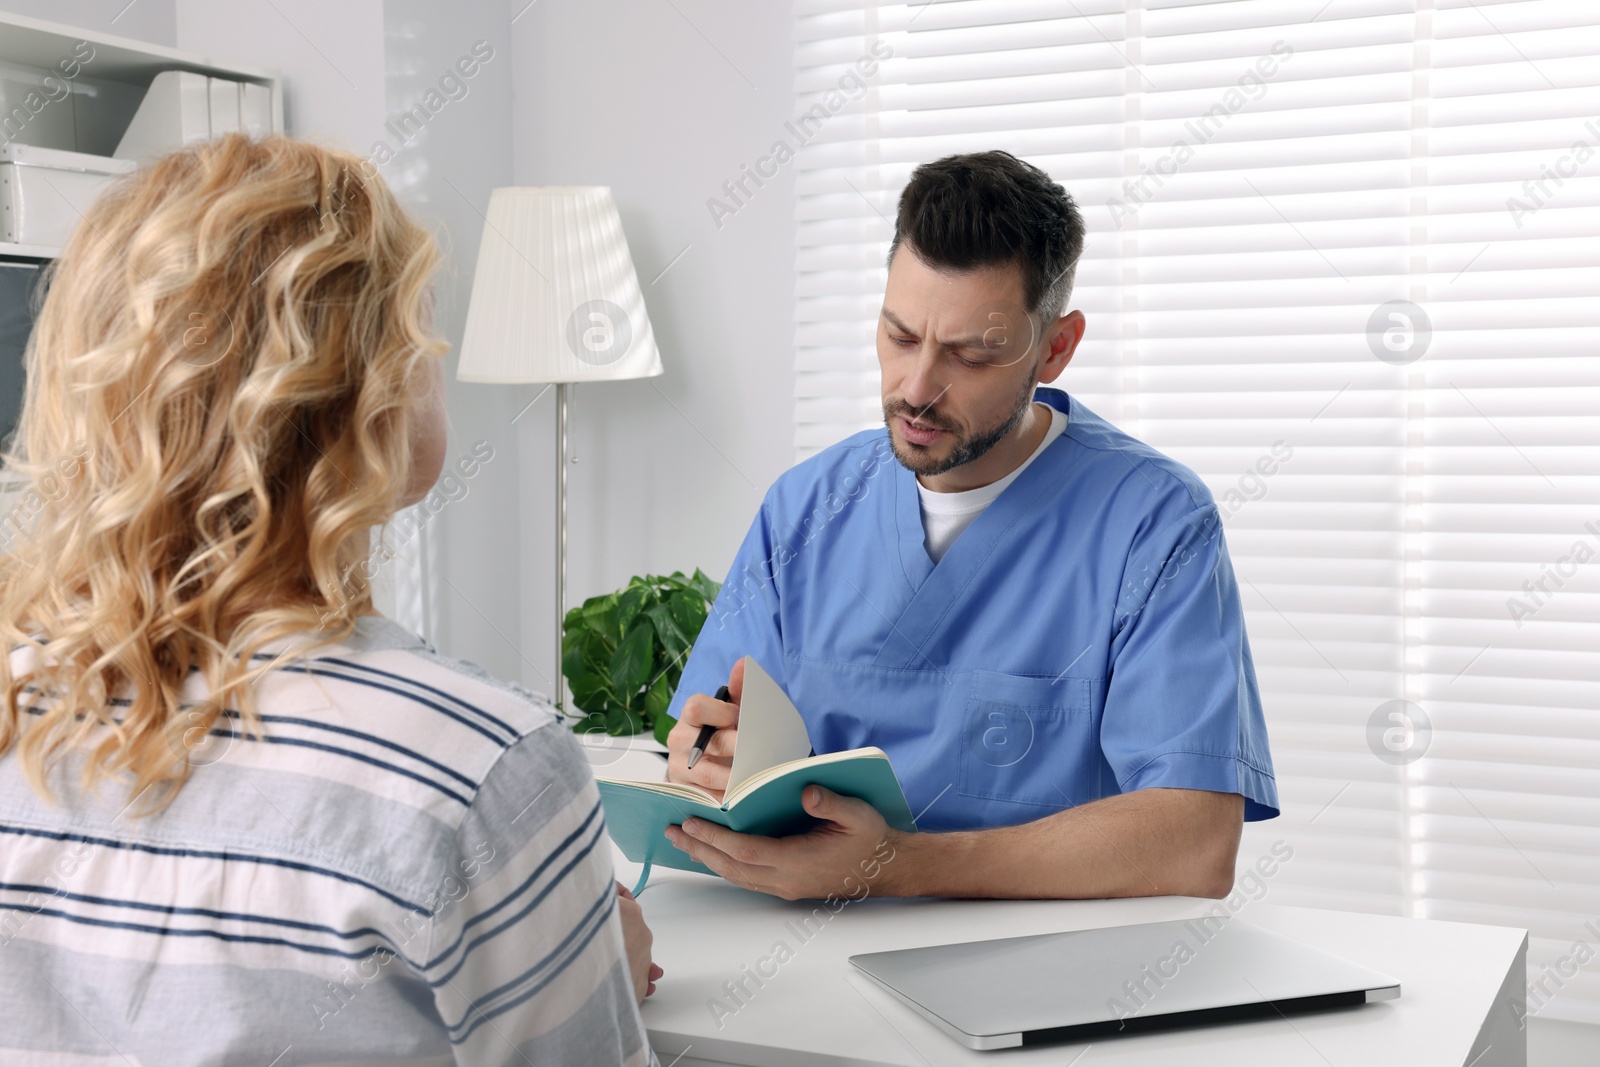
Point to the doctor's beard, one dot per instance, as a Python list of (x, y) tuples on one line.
[(918, 460)]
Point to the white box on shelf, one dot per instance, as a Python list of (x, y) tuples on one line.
[(255, 109), (45, 191), (175, 111), (224, 106)]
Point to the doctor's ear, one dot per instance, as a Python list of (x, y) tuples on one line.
[(1060, 342)]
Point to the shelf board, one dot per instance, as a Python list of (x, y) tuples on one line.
[(16, 251), (38, 43)]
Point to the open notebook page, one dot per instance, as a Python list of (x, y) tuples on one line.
[(771, 730)]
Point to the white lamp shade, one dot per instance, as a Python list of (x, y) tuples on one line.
[(555, 297)]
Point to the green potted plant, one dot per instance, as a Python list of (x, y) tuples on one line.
[(624, 652)]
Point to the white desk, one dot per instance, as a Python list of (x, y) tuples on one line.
[(1462, 986)]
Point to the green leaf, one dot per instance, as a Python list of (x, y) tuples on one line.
[(663, 727), (630, 602), (622, 721), (658, 697), (674, 673), (689, 612), (589, 724), (705, 586), (592, 651), (631, 663), (574, 653), (589, 691), (600, 616), (586, 663), (587, 609), (673, 640)]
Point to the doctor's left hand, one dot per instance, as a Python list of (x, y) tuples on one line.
[(848, 855)]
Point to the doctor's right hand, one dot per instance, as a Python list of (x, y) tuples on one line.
[(710, 771)]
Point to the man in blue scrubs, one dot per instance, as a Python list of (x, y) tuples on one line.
[(1032, 613)]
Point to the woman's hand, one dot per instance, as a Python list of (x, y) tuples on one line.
[(711, 770), (636, 936)]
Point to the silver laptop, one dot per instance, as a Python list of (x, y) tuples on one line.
[(1089, 983)]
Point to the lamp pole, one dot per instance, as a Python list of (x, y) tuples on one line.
[(561, 540)]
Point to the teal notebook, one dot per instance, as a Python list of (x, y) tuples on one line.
[(771, 766)]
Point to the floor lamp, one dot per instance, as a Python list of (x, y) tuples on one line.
[(555, 299)]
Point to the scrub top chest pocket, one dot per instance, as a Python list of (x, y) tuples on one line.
[(1031, 741)]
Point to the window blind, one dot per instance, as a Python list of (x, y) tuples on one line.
[(1342, 261)]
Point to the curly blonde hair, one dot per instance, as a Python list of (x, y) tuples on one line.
[(220, 394)]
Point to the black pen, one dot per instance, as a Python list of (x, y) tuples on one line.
[(698, 749)]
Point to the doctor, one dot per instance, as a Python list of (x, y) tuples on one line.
[(1032, 613)]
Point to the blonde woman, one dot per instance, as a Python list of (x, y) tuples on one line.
[(243, 818)]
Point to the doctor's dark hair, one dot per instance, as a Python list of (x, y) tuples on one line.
[(986, 209)]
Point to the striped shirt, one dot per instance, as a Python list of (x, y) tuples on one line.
[(411, 867)]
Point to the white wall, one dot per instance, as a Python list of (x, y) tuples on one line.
[(331, 56), (444, 176), (154, 21), (663, 102)]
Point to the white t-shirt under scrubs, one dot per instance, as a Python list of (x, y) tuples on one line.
[(945, 515)]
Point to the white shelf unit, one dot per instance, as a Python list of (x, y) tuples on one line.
[(103, 95)]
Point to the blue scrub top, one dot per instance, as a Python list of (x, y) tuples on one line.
[(1082, 638)]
